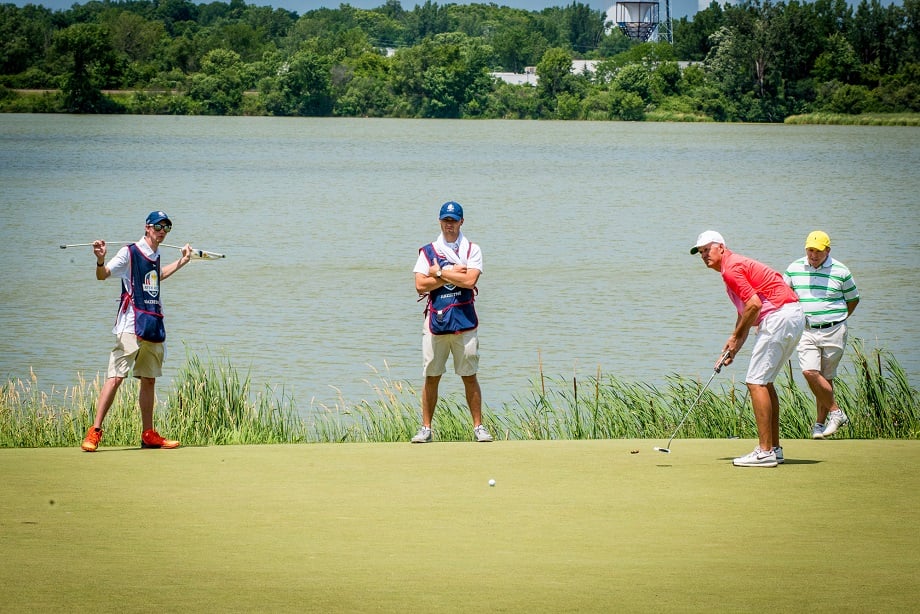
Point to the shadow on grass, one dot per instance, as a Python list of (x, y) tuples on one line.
[(788, 461)]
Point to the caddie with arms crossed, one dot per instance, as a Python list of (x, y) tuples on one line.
[(446, 273), (829, 296), (139, 329)]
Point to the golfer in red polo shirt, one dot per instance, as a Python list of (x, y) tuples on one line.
[(763, 300)]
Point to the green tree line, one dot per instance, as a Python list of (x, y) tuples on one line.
[(752, 61)]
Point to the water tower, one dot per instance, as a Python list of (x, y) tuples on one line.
[(638, 19)]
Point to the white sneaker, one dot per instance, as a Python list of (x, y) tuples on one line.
[(482, 433), (757, 458), (817, 431), (835, 420), (778, 450), (423, 435)]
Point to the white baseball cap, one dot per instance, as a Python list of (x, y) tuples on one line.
[(705, 238)]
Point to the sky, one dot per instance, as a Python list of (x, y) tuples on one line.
[(679, 8)]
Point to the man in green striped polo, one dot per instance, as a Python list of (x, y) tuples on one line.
[(828, 295)]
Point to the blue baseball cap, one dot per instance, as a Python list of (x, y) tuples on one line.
[(451, 211), (156, 217)]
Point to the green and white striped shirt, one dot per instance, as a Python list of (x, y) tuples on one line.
[(824, 292)]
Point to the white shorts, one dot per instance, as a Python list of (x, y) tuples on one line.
[(145, 357), (822, 349), (436, 349), (777, 337)]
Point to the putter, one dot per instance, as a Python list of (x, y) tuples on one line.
[(197, 254), (716, 369)]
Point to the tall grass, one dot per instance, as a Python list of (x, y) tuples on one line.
[(211, 403), (863, 119)]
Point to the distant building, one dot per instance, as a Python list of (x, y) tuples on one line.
[(579, 67), (529, 76)]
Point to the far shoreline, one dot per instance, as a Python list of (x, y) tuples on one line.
[(833, 119)]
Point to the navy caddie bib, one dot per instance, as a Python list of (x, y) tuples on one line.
[(450, 308), (148, 311)]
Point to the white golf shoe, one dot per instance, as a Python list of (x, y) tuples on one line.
[(482, 433), (778, 450), (423, 435), (835, 420), (757, 458)]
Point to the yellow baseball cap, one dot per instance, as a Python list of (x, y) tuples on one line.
[(818, 240)]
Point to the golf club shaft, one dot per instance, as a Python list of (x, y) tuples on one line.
[(197, 254), (690, 409), (715, 371), (90, 244)]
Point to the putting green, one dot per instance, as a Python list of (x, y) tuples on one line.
[(569, 526)]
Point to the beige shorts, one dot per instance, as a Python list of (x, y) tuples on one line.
[(822, 349), (777, 337), (436, 349), (144, 356)]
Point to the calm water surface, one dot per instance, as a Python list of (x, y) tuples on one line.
[(585, 229)]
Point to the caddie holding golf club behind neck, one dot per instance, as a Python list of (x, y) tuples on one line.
[(139, 330), (762, 299), (446, 273)]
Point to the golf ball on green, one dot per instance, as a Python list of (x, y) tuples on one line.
[(491, 482)]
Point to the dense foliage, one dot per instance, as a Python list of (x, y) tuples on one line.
[(753, 61)]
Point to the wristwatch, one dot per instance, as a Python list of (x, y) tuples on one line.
[(438, 274)]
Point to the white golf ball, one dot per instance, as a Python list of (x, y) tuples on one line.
[(491, 482)]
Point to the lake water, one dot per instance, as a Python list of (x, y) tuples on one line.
[(585, 230)]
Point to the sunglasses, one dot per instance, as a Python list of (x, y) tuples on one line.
[(163, 227)]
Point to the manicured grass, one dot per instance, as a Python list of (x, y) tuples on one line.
[(392, 527)]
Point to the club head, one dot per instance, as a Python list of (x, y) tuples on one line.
[(664, 450)]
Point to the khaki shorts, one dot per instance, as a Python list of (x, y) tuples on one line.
[(822, 349), (436, 349), (777, 337), (144, 356)]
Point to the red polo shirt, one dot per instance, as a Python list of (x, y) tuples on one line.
[(745, 277)]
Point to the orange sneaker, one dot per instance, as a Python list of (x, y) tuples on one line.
[(152, 439), (91, 441)]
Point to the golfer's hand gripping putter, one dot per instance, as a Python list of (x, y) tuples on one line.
[(725, 356)]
